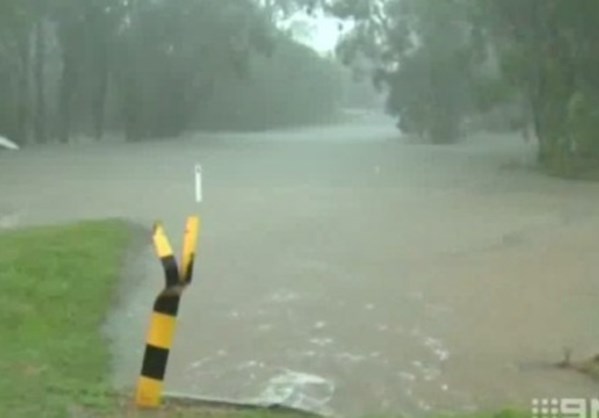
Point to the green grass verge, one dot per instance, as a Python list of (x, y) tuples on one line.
[(56, 285)]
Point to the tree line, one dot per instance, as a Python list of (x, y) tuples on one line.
[(154, 68), (447, 63)]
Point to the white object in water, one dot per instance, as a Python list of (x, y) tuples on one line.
[(198, 179), (299, 390), (8, 144)]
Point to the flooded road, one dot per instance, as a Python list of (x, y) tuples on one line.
[(342, 269)]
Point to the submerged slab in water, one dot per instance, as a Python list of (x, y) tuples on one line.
[(229, 404), (8, 144)]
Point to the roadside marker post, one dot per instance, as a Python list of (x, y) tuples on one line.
[(161, 332), (198, 183)]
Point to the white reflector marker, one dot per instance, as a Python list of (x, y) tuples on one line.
[(198, 180), (8, 144)]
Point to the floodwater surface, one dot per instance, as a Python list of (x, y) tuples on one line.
[(342, 269)]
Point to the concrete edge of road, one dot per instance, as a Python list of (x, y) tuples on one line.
[(184, 400)]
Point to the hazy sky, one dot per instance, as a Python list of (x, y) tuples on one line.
[(326, 34), (321, 33)]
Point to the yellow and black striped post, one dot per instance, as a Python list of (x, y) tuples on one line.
[(164, 316)]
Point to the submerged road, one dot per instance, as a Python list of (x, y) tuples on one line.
[(342, 269)]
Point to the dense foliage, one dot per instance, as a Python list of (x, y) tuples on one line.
[(153, 68), (279, 91), (157, 68), (548, 54), (446, 61)]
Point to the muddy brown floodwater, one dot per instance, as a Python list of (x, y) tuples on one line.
[(342, 269)]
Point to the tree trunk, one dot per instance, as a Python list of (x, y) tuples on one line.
[(132, 78), (67, 89), (99, 101), (24, 104), (40, 85), (132, 110)]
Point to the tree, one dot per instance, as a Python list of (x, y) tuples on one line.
[(16, 21), (434, 57), (424, 51), (548, 52), (148, 68)]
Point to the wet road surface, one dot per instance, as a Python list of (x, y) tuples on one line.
[(342, 269)]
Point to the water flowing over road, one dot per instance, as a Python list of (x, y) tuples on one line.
[(342, 269)]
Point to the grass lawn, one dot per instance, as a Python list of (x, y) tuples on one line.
[(56, 286)]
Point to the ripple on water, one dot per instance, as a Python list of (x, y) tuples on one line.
[(265, 327), (322, 342), (352, 358), (407, 376), (298, 390), (283, 296), (320, 325), (437, 347)]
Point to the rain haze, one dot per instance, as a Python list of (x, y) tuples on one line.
[(399, 198), (321, 33)]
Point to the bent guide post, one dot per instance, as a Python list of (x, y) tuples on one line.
[(164, 316)]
